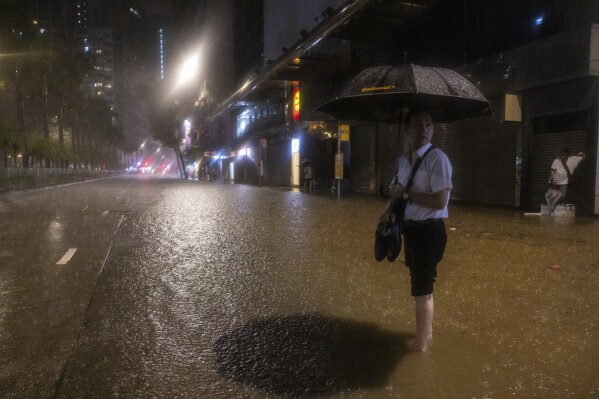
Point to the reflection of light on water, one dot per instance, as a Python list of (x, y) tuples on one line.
[(55, 231)]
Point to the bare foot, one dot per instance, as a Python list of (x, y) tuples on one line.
[(419, 347)]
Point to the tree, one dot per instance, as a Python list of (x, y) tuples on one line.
[(163, 125), (9, 141), (66, 71), (16, 38)]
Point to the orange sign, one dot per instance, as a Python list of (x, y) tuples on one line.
[(296, 104)]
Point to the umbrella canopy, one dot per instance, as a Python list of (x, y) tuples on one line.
[(379, 94)]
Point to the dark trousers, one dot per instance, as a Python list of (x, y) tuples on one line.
[(424, 246)]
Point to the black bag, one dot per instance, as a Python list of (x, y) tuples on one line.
[(399, 209), (387, 242)]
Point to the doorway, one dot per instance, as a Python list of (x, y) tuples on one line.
[(295, 163)]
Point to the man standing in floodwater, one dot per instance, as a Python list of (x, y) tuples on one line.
[(423, 227), (561, 171)]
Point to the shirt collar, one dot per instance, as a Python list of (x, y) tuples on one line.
[(423, 149)]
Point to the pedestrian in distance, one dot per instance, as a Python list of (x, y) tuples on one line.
[(423, 226), (309, 176), (562, 169)]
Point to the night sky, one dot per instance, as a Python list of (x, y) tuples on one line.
[(156, 7)]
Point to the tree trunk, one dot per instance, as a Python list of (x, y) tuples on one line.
[(181, 162), (21, 116), (60, 126), (45, 122)]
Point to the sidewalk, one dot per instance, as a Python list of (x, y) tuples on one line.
[(26, 178)]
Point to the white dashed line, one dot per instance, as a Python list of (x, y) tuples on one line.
[(67, 257)]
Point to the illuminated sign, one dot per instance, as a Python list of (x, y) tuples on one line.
[(296, 104), (344, 132), (339, 165)]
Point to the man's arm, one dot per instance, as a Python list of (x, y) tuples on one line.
[(436, 200), (395, 192)]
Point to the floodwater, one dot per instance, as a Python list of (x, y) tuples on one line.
[(230, 291)]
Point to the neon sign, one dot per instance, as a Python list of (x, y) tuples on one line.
[(296, 104)]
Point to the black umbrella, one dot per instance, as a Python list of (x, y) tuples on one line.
[(379, 94)]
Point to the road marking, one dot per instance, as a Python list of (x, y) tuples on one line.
[(67, 257), (104, 213), (84, 209)]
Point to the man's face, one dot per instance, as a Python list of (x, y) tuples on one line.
[(420, 130)]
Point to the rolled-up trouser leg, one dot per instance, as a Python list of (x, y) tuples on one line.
[(559, 194)]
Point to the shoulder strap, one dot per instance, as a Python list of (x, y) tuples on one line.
[(415, 168), (566, 167)]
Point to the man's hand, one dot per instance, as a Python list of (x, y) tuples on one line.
[(387, 216), (396, 190)]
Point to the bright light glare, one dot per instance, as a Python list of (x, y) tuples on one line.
[(539, 21), (295, 146), (189, 69)]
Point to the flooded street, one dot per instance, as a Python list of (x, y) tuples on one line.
[(205, 290)]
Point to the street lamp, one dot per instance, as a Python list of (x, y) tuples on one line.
[(188, 73), (141, 147), (189, 69)]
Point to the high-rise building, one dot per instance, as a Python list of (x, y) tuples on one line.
[(98, 47)]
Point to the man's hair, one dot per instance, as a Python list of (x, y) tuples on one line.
[(414, 112)]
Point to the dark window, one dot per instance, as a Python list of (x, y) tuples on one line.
[(561, 123)]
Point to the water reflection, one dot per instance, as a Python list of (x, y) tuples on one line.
[(189, 303), (55, 231)]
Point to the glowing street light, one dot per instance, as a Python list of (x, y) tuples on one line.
[(189, 69)]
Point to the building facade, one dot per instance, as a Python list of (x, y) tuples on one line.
[(535, 62)]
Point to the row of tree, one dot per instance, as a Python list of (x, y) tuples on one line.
[(45, 116)]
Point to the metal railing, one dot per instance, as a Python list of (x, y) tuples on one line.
[(23, 178)]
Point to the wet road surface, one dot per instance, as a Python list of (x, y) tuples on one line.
[(204, 290)]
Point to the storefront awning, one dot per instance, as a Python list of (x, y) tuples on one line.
[(365, 21), (312, 39)]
